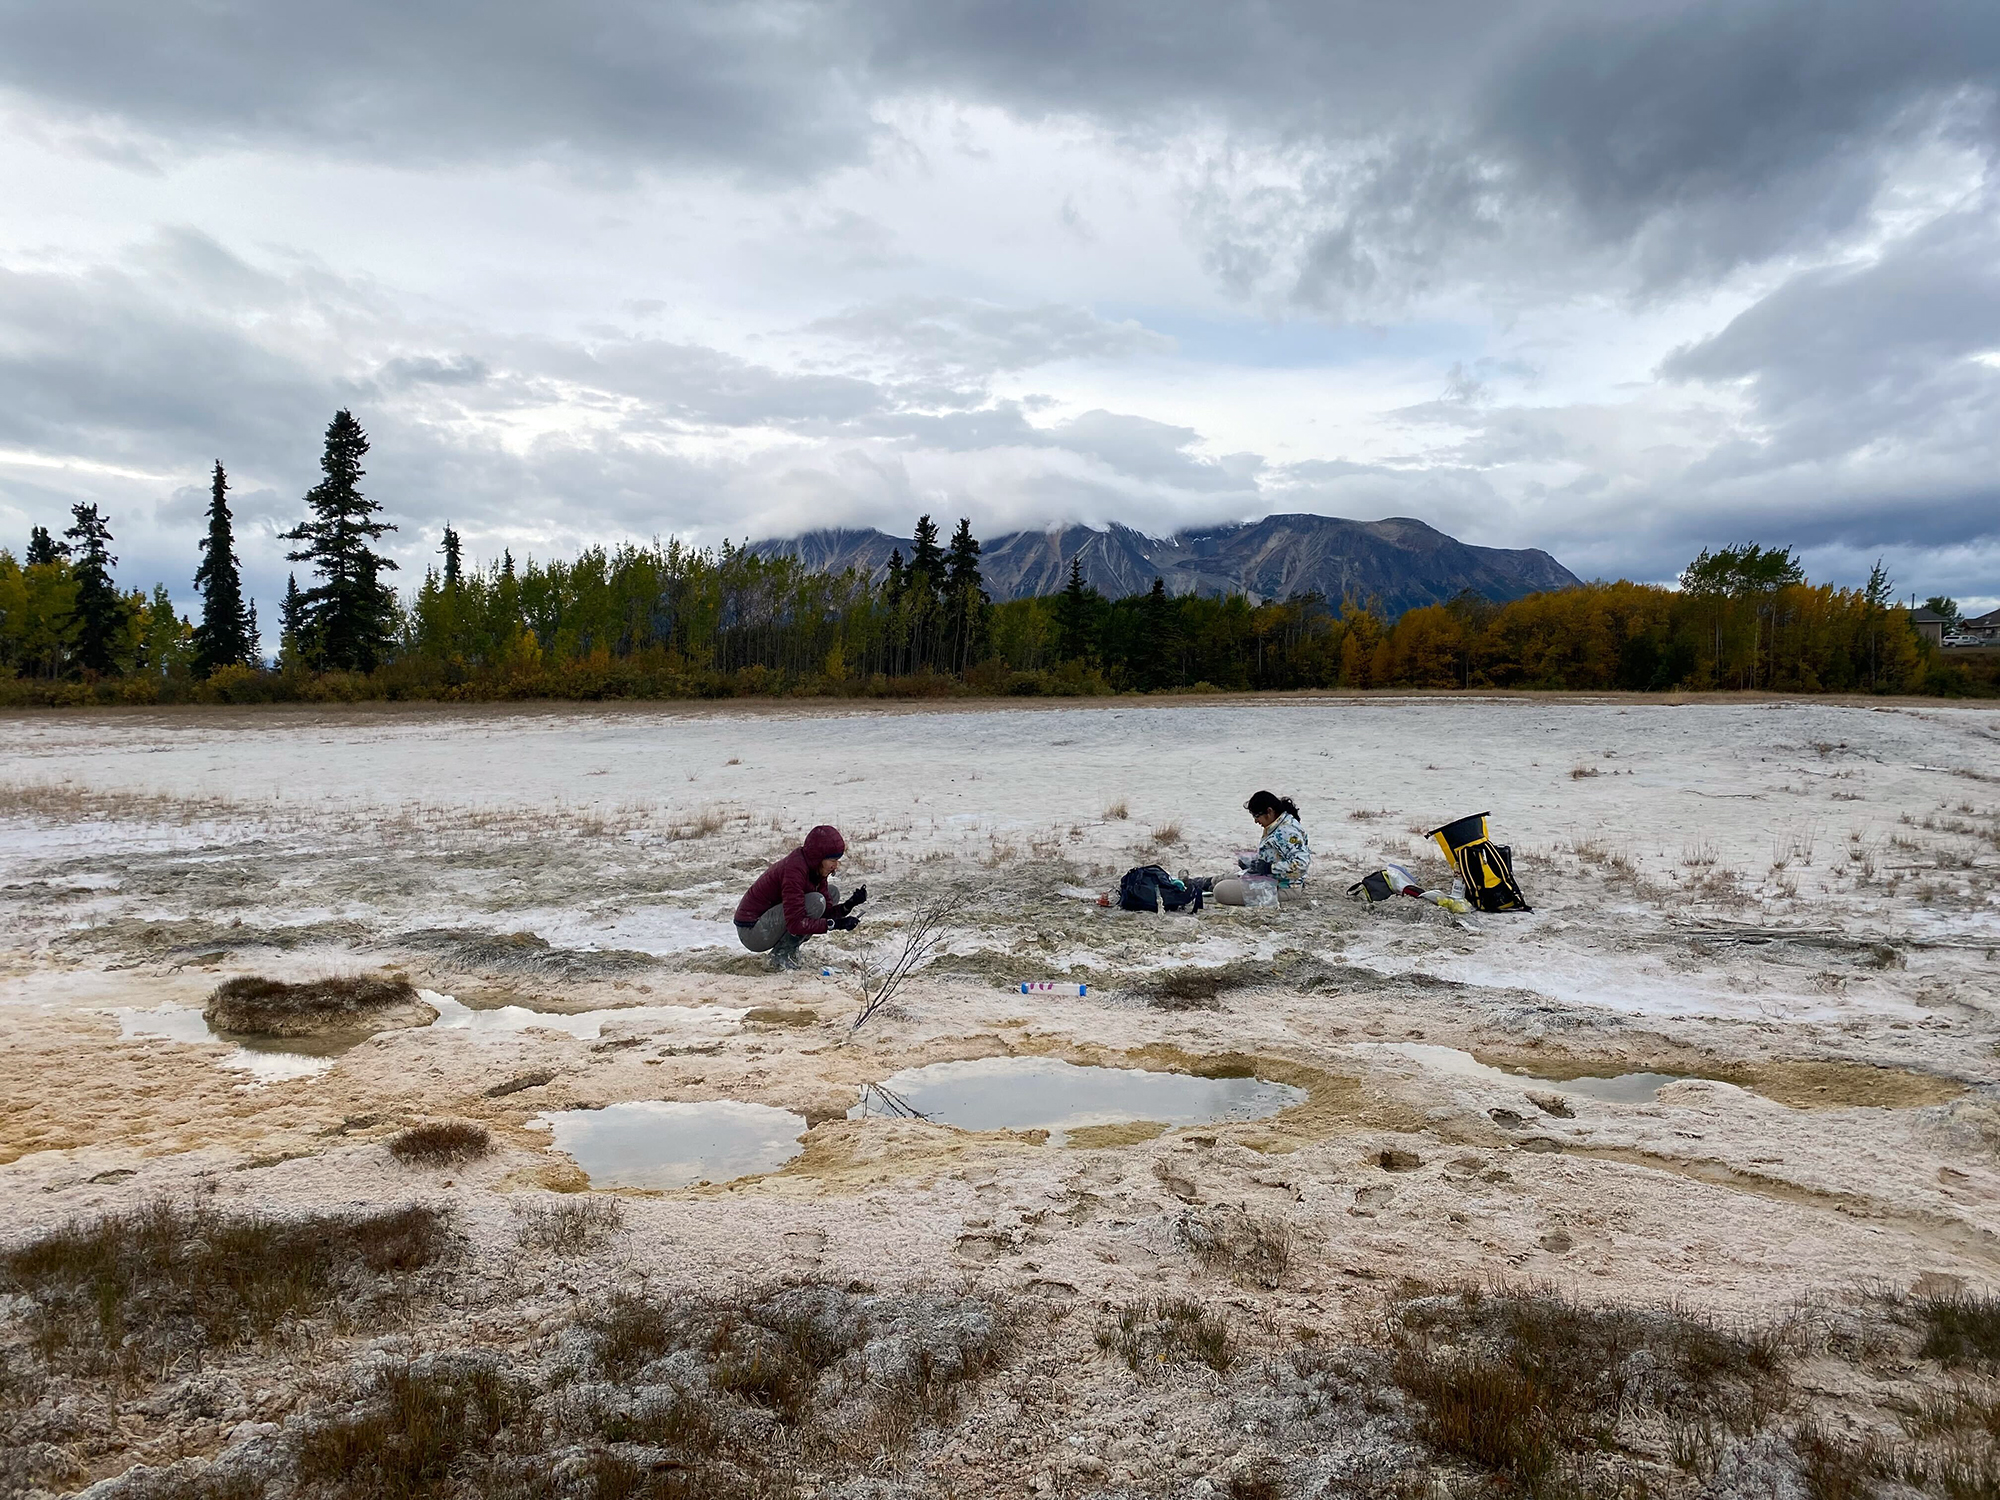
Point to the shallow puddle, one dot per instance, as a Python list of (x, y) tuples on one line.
[(1621, 1088), (654, 1144), (1039, 1093), (265, 1059), (584, 1025)]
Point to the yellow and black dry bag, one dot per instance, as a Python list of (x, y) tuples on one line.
[(1486, 868)]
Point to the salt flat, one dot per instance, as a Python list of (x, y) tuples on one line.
[(1791, 909)]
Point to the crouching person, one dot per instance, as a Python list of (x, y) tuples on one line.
[(795, 899)]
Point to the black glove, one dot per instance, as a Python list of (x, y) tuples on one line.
[(1259, 867), (844, 907), (846, 924)]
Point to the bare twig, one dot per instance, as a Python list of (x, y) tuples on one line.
[(886, 1102), (926, 929)]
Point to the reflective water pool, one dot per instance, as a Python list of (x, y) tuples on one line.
[(655, 1144), (1038, 1093), (265, 1059)]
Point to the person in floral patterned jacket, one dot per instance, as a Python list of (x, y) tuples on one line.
[(1282, 853)]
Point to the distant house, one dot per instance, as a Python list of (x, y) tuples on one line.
[(1930, 625), (1985, 627)]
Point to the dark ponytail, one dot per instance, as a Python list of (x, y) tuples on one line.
[(1263, 802)]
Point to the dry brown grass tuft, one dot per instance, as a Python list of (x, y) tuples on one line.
[(136, 1290), (774, 1350), (1255, 1249), (1832, 1467), (1117, 812), (1525, 1384), (685, 1397), (571, 1227), (1147, 1334), (251, 1006), (416, 1424), (1959, 1328), (440, 1143), (710, 820), (1167, 833)]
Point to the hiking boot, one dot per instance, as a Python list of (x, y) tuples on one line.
[(785, 955)]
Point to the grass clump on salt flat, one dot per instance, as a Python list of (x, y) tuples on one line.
[(251, 1006), (1959, 1328), (686, 1397), (1255, 1249), (416, 1423), (1173, 1330), (1543, 1393), (572, 1227), (440, 1143), (136, 1290)]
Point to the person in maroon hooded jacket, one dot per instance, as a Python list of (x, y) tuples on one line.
[(795, 899)]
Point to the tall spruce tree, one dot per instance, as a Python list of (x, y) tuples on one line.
[(291, 614), (450, 549), (926, 556), (926, 593), (1158, 657), (1073, 616), (222, 638), (44, 549), (101, 611), (349, 617), (966, 602), (895, 595)]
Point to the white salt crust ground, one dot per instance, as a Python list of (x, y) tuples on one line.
[(1838, 1127)]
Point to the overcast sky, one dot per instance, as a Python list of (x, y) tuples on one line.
[(1613, 280)]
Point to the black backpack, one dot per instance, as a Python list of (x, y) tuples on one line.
[(1486, 868), (1150, 888)]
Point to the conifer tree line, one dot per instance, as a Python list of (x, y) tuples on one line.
[(61, 614), (670, 621)]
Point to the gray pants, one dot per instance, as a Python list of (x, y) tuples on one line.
[(1229, 892), (764, 934)]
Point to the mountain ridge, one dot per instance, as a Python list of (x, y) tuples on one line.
[(1397, 563)]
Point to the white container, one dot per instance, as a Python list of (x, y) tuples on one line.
[(1050, 987)]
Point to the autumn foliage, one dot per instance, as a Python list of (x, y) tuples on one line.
[(667, 621)]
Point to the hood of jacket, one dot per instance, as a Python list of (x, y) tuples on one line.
[(824, 842)]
